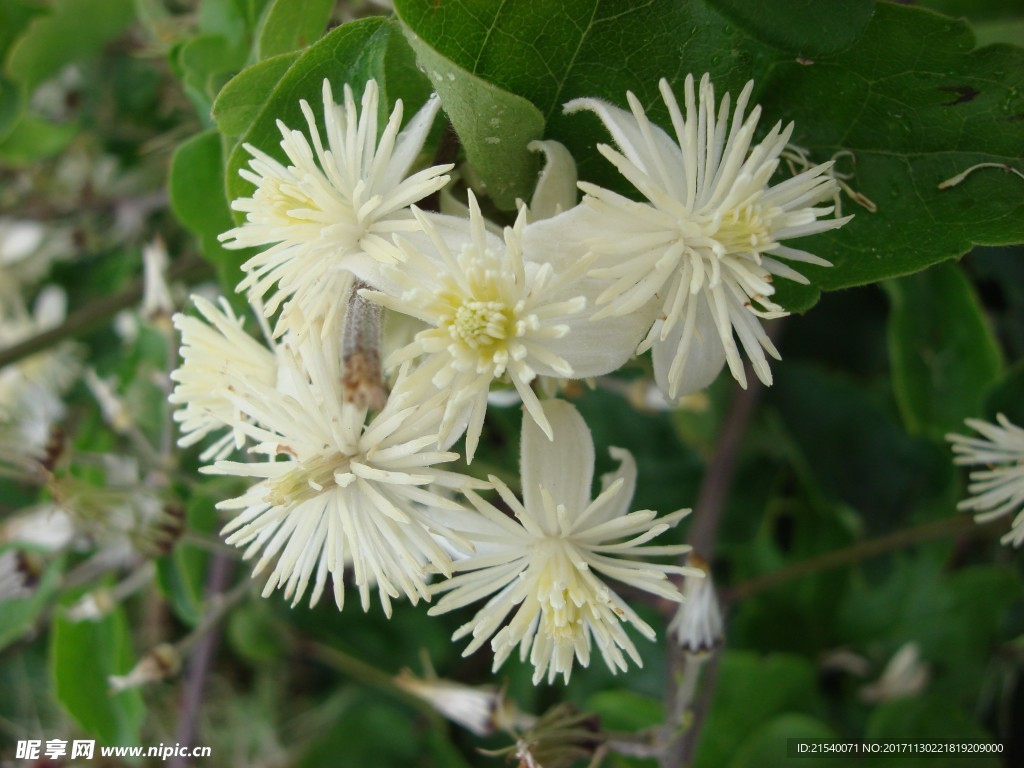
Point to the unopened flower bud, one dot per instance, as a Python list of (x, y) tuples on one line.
[(159, 664), (904, 675), (480, 709), (92, 606), (698, 625)]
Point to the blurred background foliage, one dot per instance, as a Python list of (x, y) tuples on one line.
[(840, 545)]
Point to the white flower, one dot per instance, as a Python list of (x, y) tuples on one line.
[(214, 353), (998, 489), (333, 490), (545, 566), (332, 208), (705, 246), (496, 310)]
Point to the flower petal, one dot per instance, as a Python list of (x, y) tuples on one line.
[(700, 359), (564, 466)]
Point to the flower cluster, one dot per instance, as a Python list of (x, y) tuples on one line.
[(348, 427)]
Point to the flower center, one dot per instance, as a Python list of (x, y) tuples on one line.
[(283, 199), (562, 592), (308, 479), (743, 230), (480, 324)]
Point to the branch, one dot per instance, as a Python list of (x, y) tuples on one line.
[(365, 673), (861, 551), (202, 654), (685, 683), (91, 316)]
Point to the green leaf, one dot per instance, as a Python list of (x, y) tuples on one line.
[(15, 16), (196, 187), (493, 125), (370, 731), (292, 24), (909, 98), (803, 27), (255, 634), (83, 656), (767, 746), (353, 53), (846, 446), (750, 691), (954, 618), (625, 710), (551, 57), (33, 138), (206, 62), (10, 106), (244, 95), (916, 106), (943, 352), (565, 51), (73, 30), (225, 18)]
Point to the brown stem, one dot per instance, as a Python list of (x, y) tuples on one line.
[(92, 316), (685, 692), (860, 551), (365, 673), (199, 662)]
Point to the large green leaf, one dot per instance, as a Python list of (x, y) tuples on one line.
[(943, 352), (10, 105), (494, 126), (74, 29), (83, 656), (205, 63), (292, 24), (33, 138), (15, 16), (907, 96), (916, 106), (846, 437), (804, 27), (242, 98), (196, 186)]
